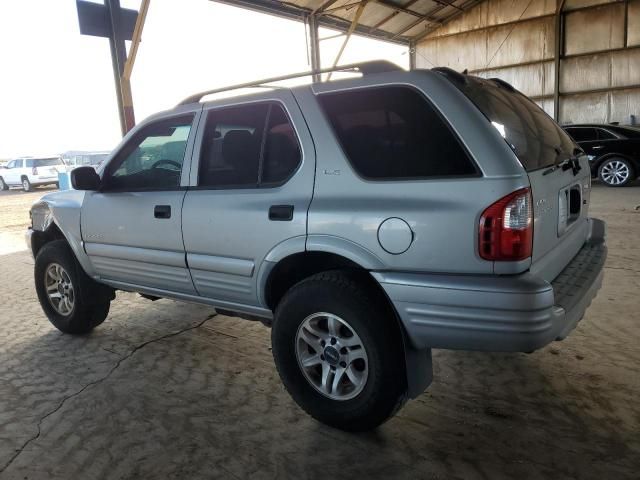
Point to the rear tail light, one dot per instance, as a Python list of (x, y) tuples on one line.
[(506, 228), (34, 170)]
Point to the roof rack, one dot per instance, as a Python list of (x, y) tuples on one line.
[(365, 68)]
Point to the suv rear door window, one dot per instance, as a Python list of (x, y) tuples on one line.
[(534, 137), (248, 146), (394, 133), (281, 150), (582, 134)]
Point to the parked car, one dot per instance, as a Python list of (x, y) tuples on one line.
[(30, 172), (613, 150), (94, 159), (367, 221)]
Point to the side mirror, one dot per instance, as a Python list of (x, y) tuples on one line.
[(85, 178)]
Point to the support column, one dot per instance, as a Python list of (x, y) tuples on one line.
[(412, 55), (559, 51), (125, 80), (314, 46), (118, 57)]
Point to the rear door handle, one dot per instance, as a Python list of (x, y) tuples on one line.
[(162, 211), (598, 147), (281, 213)]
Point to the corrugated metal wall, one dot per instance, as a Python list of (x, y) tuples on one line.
[(514, 40)]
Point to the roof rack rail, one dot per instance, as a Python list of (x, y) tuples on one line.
[(365, 68)]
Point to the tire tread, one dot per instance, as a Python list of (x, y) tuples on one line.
[(384, 402)]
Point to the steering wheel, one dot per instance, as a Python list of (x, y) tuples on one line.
[(167, 162)]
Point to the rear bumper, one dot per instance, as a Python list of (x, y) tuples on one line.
[(497, 313), (43, 180)]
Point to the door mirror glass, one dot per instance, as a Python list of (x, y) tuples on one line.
[(85, 178)]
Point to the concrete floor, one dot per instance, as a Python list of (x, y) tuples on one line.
[(168, 390)]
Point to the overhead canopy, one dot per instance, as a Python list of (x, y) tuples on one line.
[(400, 21)]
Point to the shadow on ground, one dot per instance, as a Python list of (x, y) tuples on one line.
[(166, 390)]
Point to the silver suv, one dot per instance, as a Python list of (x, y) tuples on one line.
[(366, 220)]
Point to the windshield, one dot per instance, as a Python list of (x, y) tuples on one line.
[(536, 139)]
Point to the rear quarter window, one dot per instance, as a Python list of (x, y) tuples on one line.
[(394, 133), (48, 162), (582, 134)]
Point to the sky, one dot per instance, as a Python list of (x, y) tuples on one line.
[(57, 88)]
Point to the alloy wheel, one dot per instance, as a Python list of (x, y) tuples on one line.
[(59, 289), (331, 356), (615, 172)]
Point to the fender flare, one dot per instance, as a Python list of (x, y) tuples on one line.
[(65, 215), (419, 367), (345, 248)]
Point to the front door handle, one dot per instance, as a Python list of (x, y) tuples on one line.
[(281, 213), (598, 147), (162, 211)]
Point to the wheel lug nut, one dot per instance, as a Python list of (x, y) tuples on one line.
[(322, 357), (323, 343), (343, 364), (333, 341)]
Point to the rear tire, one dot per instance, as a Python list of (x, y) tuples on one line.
[(26, 184), (3, 185), (72, 301), (346, 301), (616, 172)]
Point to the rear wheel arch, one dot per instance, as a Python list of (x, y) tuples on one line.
[(295, 268)]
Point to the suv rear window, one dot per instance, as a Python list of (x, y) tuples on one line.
[(393, 133), (47, 162), (248, 146), (535, 138)]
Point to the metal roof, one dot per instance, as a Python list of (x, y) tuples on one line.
[(400, 21)]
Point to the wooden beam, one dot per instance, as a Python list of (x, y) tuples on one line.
[(137, 37), (352, 28)]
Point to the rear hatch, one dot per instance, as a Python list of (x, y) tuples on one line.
[(49, 167), (558, 170)]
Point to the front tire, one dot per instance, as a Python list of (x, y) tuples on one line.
[(72, 301), (3, 185), (339, 352), (616, 172), (26, 185)]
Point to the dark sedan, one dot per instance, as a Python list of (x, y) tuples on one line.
[(613, 150)]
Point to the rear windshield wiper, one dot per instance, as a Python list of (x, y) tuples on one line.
[(571, 162)]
